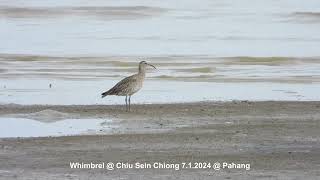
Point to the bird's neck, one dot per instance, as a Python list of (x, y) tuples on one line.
[(142, 72)]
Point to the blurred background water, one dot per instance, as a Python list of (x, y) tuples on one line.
[(190, 27), (266, 50)]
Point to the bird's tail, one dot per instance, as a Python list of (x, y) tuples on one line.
[(104, 94)]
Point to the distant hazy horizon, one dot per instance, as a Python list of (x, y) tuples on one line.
[(218, 28)]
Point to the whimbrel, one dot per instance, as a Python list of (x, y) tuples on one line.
[(129, 85)]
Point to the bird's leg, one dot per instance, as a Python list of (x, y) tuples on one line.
[(129, 102), (126, 103)]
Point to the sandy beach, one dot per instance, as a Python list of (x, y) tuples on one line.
[(280, 140)]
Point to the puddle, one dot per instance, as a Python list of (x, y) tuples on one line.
[(20, 127)]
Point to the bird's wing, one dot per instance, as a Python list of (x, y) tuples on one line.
[(122, 85)]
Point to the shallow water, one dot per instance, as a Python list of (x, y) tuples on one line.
[(89, 92), (84, 47), (220, 28), (20, 127), (182, 68)]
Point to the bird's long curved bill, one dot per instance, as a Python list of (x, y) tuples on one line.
[(152, 66)]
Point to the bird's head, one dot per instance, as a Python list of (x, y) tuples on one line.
[(143, 65)]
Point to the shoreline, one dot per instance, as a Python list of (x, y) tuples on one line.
[(77, 108), (278, 139)]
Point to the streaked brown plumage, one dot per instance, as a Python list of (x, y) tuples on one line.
[(129, 85)]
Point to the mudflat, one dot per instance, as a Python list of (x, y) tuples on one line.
[(280, 140)]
